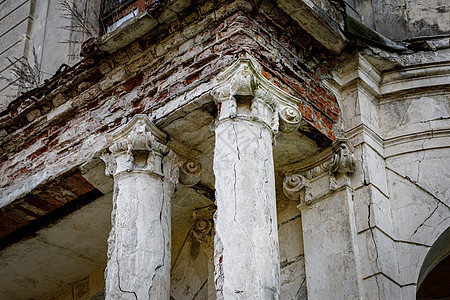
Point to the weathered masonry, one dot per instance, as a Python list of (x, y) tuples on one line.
[(246, 149)]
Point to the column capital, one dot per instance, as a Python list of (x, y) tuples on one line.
[(203, 223), (189, 172), (341, 161), (314, 183), (243, 93), (139, 146)]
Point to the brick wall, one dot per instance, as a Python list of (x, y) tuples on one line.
[(62, 120)]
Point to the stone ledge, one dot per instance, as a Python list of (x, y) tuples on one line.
[(321, 24)]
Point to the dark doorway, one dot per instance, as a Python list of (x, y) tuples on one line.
[(434, 276), (437, 284)]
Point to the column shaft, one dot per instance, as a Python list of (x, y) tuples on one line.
[(246, 241), (140, 241)]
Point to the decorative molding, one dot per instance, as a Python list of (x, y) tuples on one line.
[(203, 223), (110, 163), (289, 119), (190, 172), (297, 187), (139, 146), (243, 93), (384, 79), (342, 161), (413, 142), (415, 77)]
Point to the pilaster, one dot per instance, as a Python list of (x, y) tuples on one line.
[(329, 231), (360, 86)]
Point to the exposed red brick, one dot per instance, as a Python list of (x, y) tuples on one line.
[(315, 77), (187, 62), (53, 141), (298, 89), (266, 74), (92, 104), (237, 17), (328, 123), (138, 110), (45, 196), (241, 41), (152, 92), (163, 95), (177, 89), (28, 212), (193, 77), (38, 152), (42, 204), (20, 172), (102, 129), (278, 43), (307, 114), (221, 46), (218, 28), (133, 82), (204, 58), (117, 122), (208, 41), (334, 110)]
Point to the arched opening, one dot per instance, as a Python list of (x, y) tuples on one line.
[(434, 279)]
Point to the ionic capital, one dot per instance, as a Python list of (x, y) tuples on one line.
[(139, 146), (203, 223), (341, 161), (243, 93), (315, 183), (189, 173), (296, 188)]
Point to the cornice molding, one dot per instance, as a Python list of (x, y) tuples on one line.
[(381, 83), (416, 77), (324, 22)]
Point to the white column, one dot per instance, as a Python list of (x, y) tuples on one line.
[(247, 263), (139, 243)]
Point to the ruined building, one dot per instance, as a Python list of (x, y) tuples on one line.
[(227, 149)]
